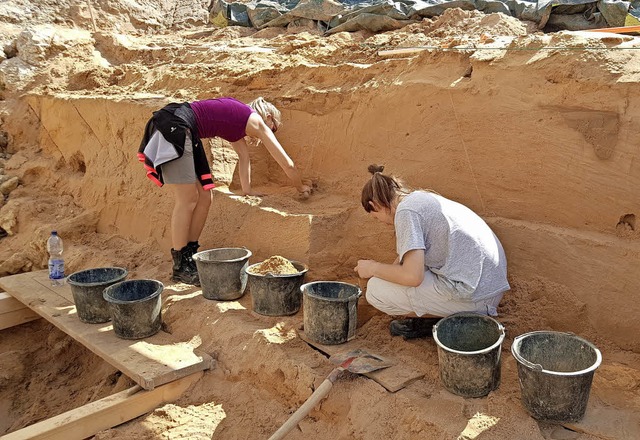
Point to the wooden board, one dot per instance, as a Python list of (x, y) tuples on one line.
[(102, 414), (607, 422), (393, 378), (150, 362), (17, 317), (13, 312), (617, 30), (9, 304)]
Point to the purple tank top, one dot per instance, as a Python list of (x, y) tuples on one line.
[(225, 118)]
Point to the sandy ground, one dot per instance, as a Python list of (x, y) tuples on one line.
[(540, 142)]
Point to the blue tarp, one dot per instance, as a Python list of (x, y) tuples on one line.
[(382, 15)]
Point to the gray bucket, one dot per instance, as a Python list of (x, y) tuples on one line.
[(555, 371), (135, 308), (222, 272), (469, 353), (87, 287), (276, 295), (330, 311)]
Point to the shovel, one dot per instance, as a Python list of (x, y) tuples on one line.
[(356, 361)]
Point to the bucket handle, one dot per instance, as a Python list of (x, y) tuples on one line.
[(535, 367)]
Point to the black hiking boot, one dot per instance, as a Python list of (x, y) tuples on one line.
[(412, 328), (192, 247), (184, 268)]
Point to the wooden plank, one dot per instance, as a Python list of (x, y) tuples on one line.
[(9, 304), (17, 317), (607, 422), (617, 30), (13, 312), (150, 362), (393, 378), (102, 414)]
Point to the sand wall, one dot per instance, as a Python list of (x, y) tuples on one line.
[(549, 163)]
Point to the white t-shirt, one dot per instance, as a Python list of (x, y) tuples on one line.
[(459, 247)]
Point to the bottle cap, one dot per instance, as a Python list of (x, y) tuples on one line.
[(54, 232)]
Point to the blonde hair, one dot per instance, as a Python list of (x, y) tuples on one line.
[(265, 108)]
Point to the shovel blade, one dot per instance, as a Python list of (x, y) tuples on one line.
[(363, 361)]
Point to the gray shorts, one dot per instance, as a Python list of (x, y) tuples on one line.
[(181, 170)]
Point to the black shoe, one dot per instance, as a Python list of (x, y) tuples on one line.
[(184, 268), (192, 247), (411, 328)]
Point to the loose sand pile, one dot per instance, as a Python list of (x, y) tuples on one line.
[(537, 136), (275, 265)]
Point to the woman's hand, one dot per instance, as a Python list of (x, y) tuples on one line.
[(304, 191), (365, 268), (409, 272)]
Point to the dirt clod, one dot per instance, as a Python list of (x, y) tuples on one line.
[(275, 265)]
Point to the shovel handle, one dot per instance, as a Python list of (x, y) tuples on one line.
[(319, 394)]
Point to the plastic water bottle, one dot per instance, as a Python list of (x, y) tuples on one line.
[(56, 263)]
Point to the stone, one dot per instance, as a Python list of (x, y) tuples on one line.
[(9, 185), (8, 220), (17, 263)]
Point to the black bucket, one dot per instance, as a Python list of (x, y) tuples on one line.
[(222, 272), (135, 308), (469, 353), (276, 295), (555, 371), (330, 311), (87, 287)]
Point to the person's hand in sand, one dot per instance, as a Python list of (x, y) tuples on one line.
[(306, 190)]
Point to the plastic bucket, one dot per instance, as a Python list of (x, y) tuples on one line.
[(135, 308), (276, 295), (555, 371), (222, 272), (469, 347), (87, 287), (330, 311)]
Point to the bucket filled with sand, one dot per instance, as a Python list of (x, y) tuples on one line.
[(275, 286)]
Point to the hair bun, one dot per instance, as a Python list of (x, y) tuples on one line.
[(373, 168)]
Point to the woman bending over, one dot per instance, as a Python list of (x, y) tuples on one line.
[(449, 260)]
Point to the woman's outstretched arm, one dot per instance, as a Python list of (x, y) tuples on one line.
[(256, 127)]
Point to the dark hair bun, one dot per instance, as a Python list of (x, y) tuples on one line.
[(375, 168)]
